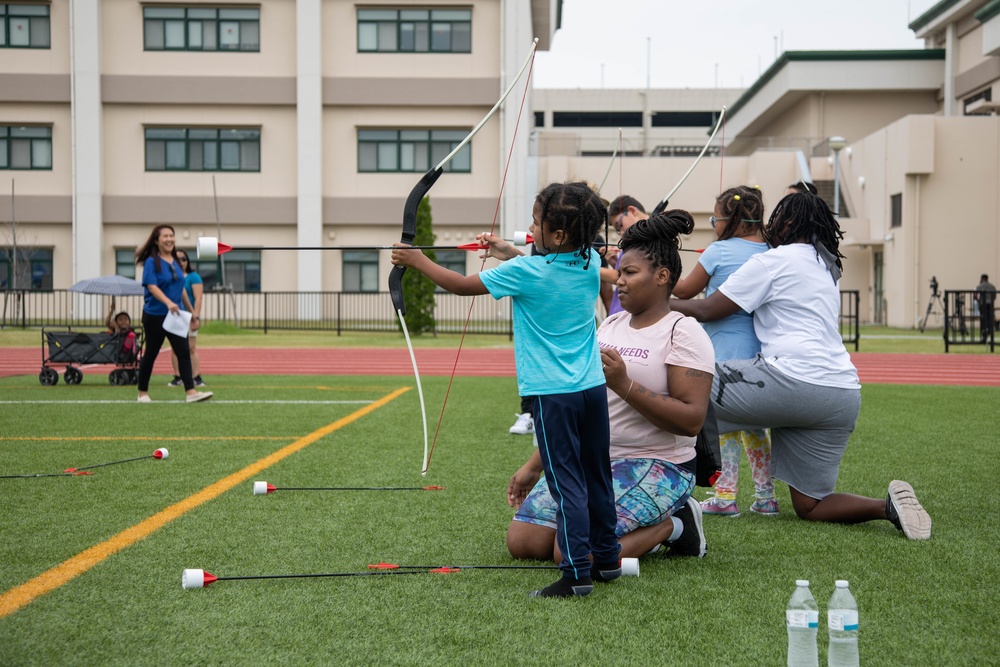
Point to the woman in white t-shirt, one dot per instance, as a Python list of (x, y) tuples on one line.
[(802, 385), (658, 366)]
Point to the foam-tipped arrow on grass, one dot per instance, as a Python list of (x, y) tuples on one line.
[(263, 488), (158, 454), (192, 578), (630, 567)]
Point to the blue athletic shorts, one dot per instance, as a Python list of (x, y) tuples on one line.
[(647, 491)]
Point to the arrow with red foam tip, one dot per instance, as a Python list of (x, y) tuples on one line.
[(263, 488), (158, 454), (630, 567), (210, 247), (192, 578)]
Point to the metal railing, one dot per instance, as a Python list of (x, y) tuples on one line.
[(969, 318), (848, 320), (267, 311)]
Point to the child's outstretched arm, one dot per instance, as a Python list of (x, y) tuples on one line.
[(693, 284), (447, 279)]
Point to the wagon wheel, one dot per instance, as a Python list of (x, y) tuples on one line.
[(48, 377), (133, 376), (73, 375), (115, 378)]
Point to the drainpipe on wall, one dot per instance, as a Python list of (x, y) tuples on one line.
[(916, 250)]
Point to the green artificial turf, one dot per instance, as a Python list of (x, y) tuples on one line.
[(921, 603)]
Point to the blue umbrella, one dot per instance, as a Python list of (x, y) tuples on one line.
[(111, 285)]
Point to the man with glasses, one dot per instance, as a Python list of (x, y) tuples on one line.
[(623, 212)]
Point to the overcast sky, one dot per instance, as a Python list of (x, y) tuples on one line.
[(709, 43)]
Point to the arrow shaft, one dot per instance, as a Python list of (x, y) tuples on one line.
[(54, 474), (352, 488), (101, 465), (313, 576)]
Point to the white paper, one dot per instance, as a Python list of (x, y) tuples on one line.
[(178, 323)]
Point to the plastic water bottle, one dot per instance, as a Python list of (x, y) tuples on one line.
[(802, 621), (842, 620)]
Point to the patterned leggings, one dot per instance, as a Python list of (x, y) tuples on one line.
[(757, 444)]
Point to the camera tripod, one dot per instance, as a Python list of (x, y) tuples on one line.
[(935, 300)]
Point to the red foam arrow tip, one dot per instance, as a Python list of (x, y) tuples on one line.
[(383, 566), (271, 488), (209, 578), (444, 570), (433, 488), (158, 454), (223, 248), (528, 238)]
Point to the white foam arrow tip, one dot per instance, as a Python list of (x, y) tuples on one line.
[(193, 579), (630, 567)]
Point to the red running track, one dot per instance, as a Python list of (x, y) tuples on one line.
[(874, 368)]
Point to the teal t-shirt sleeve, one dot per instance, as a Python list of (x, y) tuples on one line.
[(505, 279)]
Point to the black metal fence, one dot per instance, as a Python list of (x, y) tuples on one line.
[(330, 311), (267, 311), (848, 321), (970, 318)]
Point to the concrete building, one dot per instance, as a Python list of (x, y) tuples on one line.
[(273, 123), (919, 177)]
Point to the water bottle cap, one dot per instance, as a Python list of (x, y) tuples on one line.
[(841, 583), (802, 582)]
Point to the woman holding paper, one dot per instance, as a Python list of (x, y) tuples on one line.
[(162, 317)]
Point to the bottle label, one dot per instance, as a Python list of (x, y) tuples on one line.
[(843, 619), (801, 618)]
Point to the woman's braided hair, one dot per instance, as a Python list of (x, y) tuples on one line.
[(657, 238), (575, 209), (804, 218), (744, 207)]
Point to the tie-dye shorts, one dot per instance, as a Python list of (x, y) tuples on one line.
[(647, 491)]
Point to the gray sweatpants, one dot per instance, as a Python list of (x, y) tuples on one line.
[(810, 424)]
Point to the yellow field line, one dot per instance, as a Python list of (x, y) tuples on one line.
[(22, 595), (132, 438)]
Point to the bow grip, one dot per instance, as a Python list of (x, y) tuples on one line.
[(418, 192)]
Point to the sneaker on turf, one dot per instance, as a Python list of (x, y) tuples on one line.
[(905, 512), (198, 382), (767, 507), (717, 507), (692, 539), (199, 396), (176, 382), (524, 425)]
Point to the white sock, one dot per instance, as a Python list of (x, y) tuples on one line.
[(678, 529)]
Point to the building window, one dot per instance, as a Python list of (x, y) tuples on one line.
[(360, 270), (411, 150), (684, 119), (896, 207), (597, 119), (200, 149), (125, 262), (25, 147), (24, 26), (453, 260), (984, 95), (200, 29), (539, 119), (34, 268), (415, 30), (242, 270)]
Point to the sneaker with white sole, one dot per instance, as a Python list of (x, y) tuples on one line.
[(524, 425), (692, 540), (176, 382), (198, 382), (905, 512), (718, 507), (144, 399), (199, 396)]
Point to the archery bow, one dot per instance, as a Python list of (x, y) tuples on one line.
[(666, 200), (418, 192)]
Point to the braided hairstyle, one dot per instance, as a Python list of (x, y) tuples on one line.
[(576, 210), (744, 206), (804, 218), (656, 238)]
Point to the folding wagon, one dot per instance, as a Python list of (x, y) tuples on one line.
[(76, 349)]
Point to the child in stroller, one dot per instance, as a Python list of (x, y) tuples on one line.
[(122, 324)]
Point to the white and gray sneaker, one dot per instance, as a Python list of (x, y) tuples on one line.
[(906, 513), (176, 382), (524, 425)]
